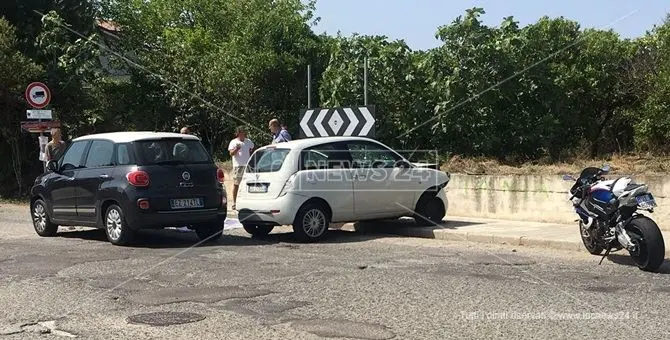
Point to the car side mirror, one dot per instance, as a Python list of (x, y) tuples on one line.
[(605, 168), (403, 164), (52, 166)]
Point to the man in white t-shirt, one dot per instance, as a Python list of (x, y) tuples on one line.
[(240, 149)]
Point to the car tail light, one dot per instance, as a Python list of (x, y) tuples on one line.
[(138, 178), (220, 175), (289, 185)]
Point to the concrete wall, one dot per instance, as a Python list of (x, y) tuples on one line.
[(526, 198), (534, 198)]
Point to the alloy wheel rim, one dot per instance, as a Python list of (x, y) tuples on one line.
[(314, 222), (39, 217), (114, 224)]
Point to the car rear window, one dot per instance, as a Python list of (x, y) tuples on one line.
[(267, 160), (173, 150)]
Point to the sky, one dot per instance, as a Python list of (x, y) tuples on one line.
[(416, 21)]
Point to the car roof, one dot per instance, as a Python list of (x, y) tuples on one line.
[(309, 142), (132, 136)]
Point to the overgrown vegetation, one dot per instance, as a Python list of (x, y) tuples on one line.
[(547, 93)]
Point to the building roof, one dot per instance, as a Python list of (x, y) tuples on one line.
[(108, 25), (131, 136)]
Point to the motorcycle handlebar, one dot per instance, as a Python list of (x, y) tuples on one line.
[(581, 189)]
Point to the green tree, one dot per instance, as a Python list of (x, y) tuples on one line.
[(16, 71), (392, 82), (26, 16), (652, 118), (222, 63)]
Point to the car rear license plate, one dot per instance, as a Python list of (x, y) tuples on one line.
[(186, 203), (646, 201), (258, 188)]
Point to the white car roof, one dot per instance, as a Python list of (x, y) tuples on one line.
[(132, 136), (309, 142)]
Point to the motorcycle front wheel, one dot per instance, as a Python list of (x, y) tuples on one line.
[(589, 239), (649, 250)]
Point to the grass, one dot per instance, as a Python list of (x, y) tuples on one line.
[(619, 164), (624, 164), (16, 200)]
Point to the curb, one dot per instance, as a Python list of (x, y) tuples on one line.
[(475, 237)]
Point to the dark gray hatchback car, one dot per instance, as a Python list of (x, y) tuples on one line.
[(125, 181)]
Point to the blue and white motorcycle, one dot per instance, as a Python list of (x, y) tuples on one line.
[(611, 218)]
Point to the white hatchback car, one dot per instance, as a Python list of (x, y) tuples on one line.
[(310, 183)]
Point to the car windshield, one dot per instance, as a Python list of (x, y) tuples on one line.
[(267, 160), (175, 150)]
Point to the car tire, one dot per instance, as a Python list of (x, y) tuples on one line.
[(311, 223), (258, 230), (210, 232), (41, 220), (116, 228), (430, 210)]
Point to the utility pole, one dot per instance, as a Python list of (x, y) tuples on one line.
[(365, 81), (309, 86)]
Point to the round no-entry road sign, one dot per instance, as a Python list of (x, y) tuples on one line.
[(38, 95)]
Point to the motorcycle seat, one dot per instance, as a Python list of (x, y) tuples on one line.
[(631, 187)]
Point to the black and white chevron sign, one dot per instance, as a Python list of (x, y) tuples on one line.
[(338, 121)]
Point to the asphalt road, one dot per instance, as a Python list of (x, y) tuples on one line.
[(353, 285)]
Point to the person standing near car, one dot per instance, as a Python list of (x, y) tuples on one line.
[(279, 134), (55, 147), (240, 149)]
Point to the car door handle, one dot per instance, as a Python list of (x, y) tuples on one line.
[(104, 176)]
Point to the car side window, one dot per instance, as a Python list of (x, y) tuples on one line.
[(326, 156), (100, 154), (371, 155), (123, 154), (72, 159)]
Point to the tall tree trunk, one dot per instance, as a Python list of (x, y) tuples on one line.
[(609, 114), (17, 161)]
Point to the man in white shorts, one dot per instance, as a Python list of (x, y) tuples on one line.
[(240, 149)]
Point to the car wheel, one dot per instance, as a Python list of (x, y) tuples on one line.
[(430, 210), (41, 221), (117, 230), (311, 223), (258, 230), (210, 232)]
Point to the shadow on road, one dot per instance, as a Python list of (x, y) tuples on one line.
[(168, 238), (408, 226), (626, 260), (363, 231), (163, 239)]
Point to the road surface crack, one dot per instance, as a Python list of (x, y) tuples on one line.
[(40, 327)]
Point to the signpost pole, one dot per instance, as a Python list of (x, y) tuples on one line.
[(309, 86), (365, 81)]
